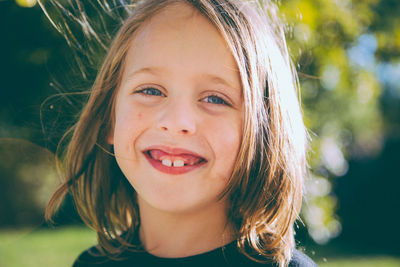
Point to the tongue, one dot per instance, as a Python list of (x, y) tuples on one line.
[(187, 158)]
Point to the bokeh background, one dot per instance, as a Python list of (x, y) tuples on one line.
[(348, 57)]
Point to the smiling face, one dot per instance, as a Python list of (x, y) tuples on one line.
[(178, 113)]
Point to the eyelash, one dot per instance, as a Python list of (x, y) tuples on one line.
[(156, 92), (220, 99), (145, 92)]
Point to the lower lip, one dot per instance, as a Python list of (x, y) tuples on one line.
[(172, 170)]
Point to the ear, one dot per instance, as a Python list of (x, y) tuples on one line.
[(110, 137)]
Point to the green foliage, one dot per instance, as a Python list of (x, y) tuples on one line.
[(338, 46), (27, 180), (26, 3)]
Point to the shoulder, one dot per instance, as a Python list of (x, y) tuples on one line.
[(300, 259), (234, 257), (93, 257)]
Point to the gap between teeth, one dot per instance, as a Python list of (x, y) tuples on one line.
[(176, 163)]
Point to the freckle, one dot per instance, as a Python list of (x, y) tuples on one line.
[(140, 115)]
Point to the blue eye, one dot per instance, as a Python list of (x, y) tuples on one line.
[(213, 99), (150, 92)]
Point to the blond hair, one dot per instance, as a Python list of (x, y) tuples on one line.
[(265, 188)]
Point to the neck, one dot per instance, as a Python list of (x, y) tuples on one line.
[(176, 235)]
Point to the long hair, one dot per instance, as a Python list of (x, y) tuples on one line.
[(265, 187)]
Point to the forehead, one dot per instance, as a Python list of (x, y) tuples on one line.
[(179, 38)]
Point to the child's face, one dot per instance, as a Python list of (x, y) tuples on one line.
[(179, 103)]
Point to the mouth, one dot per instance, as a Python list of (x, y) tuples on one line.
[(173, 161)]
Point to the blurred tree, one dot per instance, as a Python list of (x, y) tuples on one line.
[(27, 179), (33, 61), (26, 3), (339, 46)]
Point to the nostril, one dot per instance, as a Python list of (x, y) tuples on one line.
[(181, 131)]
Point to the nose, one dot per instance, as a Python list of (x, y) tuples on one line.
[(179, 118)]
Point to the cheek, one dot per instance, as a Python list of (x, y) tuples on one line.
[(225, 138), (229, 144), (129, 122), (129, 116)]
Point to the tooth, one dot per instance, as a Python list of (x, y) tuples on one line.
[(178, 163), (166, 162)]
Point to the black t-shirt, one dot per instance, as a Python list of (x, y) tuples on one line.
[(225, 256)]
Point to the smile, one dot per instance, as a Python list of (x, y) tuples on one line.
[(173, 161)]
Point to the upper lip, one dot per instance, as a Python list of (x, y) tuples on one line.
[(173, 150)]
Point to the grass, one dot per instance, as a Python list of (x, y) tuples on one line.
[(61, 246), (362, 261), (44, 247)]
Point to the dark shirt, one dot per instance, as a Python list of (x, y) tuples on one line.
[(228, 255)]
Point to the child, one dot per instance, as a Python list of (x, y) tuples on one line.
[(191, 148)]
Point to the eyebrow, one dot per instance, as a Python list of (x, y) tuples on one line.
[(149, 70), (217, 79)]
